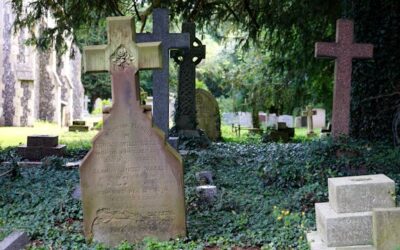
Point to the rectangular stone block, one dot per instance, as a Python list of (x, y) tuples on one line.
[(42, 141), (386, 228), (345, 229), (316, 243), (78, 128), (361, 193), (38, 153), (15, 241)]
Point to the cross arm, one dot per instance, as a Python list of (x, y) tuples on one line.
[(362, 50), (145, 37), (179, 40), (150, 55), (95, 59), (325, 50)]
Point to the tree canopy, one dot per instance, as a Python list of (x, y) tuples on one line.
[(275, 63)]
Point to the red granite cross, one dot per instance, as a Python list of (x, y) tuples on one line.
[(344, 50)]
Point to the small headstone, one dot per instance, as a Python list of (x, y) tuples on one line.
[(85, 111), (98, 104), (131, 180), (288, 119), (15, 241), (174, 142), (205, 178), (207, 193), (344, 51), (208, 116), (386, 228), (41, 146), (78, 126)]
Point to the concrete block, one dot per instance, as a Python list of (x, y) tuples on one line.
[(316, 243), (345, 229), (361, 193), (386, 228), (15, 241)]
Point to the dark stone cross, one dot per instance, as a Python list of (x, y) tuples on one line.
[(185, 118), (161, 76), (344, 50)]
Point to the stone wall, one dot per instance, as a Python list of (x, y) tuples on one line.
[(35, 84)]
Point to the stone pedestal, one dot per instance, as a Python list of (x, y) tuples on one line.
[(386, 228), (78, 126), (283, 133), (346, 221), (41, 146)]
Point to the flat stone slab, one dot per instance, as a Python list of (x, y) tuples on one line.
[(345, 229), (316, 243), (79, 123), (78, 128), (38, 153), (361, 193), (386, 228), (15, 241)]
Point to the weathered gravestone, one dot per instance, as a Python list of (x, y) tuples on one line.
[(208, 116), (185, 117), (310, 125), (345, 222), (161, 76), (131, 180), (344, 51), (41, 146)]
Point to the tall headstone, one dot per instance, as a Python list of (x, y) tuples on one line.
[(310, 125), (344, 51), (208, 116), (131, 180), (161, 76), (185, 118)]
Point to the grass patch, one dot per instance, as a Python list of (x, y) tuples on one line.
[(14, 136)]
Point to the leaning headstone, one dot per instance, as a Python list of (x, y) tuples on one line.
[(78, 126), (344, 51), (161, 76), (41, 146), (185, 117), (346, 220), (386, 233), (208, 116), (15, 241), (131, 179)]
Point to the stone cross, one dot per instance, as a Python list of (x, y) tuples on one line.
[(187, 60), (86, 102), (131, 179), (309, 113), (161, 76), (344, 50)]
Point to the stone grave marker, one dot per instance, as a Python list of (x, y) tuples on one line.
[(187, 60), (288, 119), (86, 101), (344, 51), (78, 126), (131, 179), (310, 125), (208, 116), (161, 76), (41, 146), (346, 220)]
